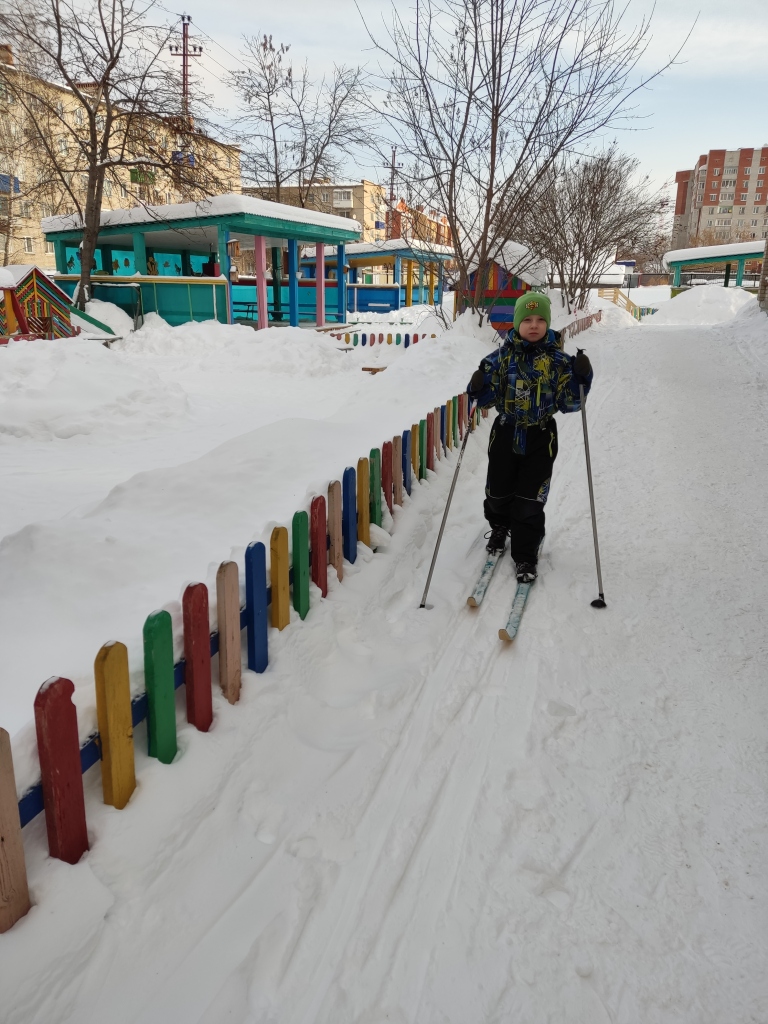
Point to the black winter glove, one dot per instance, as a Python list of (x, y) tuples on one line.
[(581, 364), (476, 384)]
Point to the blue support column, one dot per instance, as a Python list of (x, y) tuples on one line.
[(740, 272), (676, 278), (60, 249), (106, 258), (421, 283), (139, 252), (186, 263), (293, 282), (341, 283), (225, 263), (396, 271), (440, 284)]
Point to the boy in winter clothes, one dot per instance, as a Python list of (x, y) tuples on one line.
[(529, 378)]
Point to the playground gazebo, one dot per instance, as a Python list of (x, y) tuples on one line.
[(734, 252), (176, 260)]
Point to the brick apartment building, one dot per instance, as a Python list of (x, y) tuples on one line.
[(724, 198)]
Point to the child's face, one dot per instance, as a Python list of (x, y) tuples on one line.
[(533, 328)]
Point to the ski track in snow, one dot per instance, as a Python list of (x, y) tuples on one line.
[(406, 821)]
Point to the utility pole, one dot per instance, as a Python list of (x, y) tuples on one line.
[(185, 51), (392, 172)]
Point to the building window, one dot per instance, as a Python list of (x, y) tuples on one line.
[(759, 182), (123, 192), (729, 170), (747, 170), (168, 198), (711, 209), (755, 209), (753, 223), (25, 210), (79, 115), (107, 188), (723, 221), (716, 171), (63, 146), (324, 197), (713, 197), (761, 170), (743, 197), (758, 198), (709, 223), (29, 245), (740, 223), (50, 248)]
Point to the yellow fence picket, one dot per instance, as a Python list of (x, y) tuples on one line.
[(113, 712), (363, 502), (278, 571), (14, 894), (228, 614), (336, 550)]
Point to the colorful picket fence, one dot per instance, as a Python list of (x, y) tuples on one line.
[(328, 535), (577, 326), (371, 338)]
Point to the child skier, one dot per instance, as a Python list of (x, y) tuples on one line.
[(528, 379)]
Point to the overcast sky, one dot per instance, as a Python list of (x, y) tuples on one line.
[(715, 98)]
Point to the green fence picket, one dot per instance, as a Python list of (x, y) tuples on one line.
[(158, 678)]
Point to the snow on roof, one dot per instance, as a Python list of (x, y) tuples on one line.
[(386, 247), (19, 271), (519, 260), (230, 204), (717, 252)]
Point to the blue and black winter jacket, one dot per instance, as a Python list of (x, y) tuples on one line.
[(529, 382)]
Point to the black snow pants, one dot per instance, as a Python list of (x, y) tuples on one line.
[(517, 486)]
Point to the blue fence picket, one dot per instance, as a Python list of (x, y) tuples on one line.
[(256, 606), (349, 513)]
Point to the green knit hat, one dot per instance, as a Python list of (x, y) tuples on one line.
[(532, 304)]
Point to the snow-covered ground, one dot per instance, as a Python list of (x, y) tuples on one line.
[(403, 820)]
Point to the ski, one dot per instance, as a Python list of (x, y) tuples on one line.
[(476, 597), (509, 632)]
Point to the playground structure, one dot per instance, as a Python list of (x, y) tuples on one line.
[(739, 253), (618, 298), (177, 260), (33, 306)]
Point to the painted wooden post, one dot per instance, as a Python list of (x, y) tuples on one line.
[(58, 748), (256, 606), (422, 449), (228, 614), (431, 284), (398, 339), (421, 283), (415, 451), (438, 446), (397, 470), (113, 713), (158, 679), (461, 417), (139, 252), (449, 424), (300, 546), (455, 429), (444, 428), (349, 513), (197, 656), (319, 284), (341, 283), (14, 894), (375, 478), (406, 461), (293, 282), (409, 282), (363, 502), (386, 473), (335, 534), (279, 574), (431, 441), (389, 339), (318, 543), (260, 265), (406, 340)]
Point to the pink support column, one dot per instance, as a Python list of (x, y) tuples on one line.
[(260, 263), (320, 284)]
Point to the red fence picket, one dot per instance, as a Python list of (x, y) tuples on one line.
[(318, 541), (197, 655), (59, 751)]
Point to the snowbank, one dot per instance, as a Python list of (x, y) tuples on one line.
[(111, 315), (703, 306)]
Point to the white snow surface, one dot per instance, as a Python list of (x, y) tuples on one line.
[(403, 820), (111, 315), (718, 252), (705, 306)]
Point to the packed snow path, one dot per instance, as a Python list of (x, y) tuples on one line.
[(407, 821)]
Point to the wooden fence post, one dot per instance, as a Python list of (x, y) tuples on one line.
[(422, 449), (438, 445), (455, 430), (363, 502), (349, 513), (14, 894), (431, 441), (336, 549), (158, 679), (397, 470), (406, 461), (300, 546), (197, 656), (375, 476), (444, 428), (256, 605), (228, 615), (319, 544), (449, 424), (416, 451), (58, 748), (113, 713), (461, 416), (279, 574), (386, 473)]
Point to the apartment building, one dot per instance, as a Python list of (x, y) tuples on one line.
[(368, 203), (724, 198), (30, 191)]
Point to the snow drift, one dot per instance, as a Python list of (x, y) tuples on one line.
[(703, 305)]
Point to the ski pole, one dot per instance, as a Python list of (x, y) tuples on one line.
[(599, 602), (447, 507)]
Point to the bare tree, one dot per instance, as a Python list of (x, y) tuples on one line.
[(298, 131), (99, 102), (591, 207), (484, 96)]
